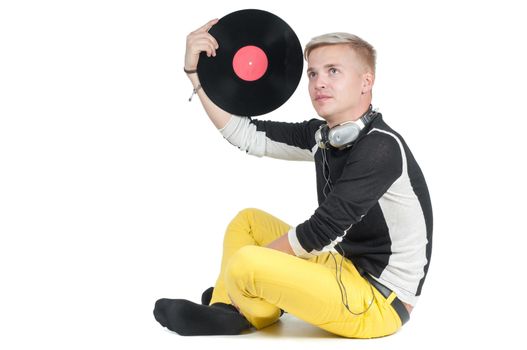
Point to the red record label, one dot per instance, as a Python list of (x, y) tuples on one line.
[(250, 63)]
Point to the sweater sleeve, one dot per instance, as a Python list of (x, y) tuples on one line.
[(290, 141), (374, 164)]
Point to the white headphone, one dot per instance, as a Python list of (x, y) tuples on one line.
[(342, 135)]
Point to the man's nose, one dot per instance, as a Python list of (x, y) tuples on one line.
[(320, 82)]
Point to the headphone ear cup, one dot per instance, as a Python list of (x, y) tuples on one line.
[(318, 138), (321, 137), (343, 135)]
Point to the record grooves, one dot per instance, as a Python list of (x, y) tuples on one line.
[(258, 64)]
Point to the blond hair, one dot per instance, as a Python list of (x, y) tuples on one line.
[(362, 48)]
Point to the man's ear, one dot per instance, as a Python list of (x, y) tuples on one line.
[(368, 79)]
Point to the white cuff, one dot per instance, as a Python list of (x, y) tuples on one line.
[(295, 244)]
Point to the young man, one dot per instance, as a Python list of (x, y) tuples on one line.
[(357, 265)]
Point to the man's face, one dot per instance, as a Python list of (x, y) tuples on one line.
[(336, 82)]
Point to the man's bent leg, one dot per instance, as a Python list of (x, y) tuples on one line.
[(250, 227), (261, 281)]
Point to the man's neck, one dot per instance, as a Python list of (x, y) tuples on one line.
[(352, 115)]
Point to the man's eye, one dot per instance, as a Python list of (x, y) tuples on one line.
[(333, 70)]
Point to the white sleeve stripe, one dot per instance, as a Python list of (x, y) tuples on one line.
[(284, 151), (240, 132)]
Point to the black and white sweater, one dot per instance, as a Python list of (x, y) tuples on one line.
[(374, 206)]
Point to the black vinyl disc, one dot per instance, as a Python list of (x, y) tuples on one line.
[(258, 64)]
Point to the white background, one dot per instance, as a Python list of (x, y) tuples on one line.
[(115, 190)]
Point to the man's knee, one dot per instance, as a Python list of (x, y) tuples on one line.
[(245, 261), (245, 219), (240, 225), (248, 214)]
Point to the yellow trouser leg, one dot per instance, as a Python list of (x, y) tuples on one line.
[(261, 281), (249, 227)]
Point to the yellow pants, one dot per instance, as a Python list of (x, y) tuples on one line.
[(261, 281)]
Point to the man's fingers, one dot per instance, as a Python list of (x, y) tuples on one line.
[(201, 39), (206, 36), (207, 26), (204, 45), (214, 42)]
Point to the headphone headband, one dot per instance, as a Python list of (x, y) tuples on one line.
[(368, 116)]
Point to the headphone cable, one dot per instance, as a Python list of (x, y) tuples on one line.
[(338, 277)]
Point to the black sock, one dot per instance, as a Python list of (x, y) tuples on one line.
[(206, 296), (187, 318)]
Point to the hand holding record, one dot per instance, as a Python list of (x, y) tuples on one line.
[(200, 41)]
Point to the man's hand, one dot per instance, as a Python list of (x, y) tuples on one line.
[(282, 244), (198, 41)]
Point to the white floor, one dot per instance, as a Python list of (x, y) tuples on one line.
[(289, 331)]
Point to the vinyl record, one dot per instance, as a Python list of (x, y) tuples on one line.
[(258, 64)]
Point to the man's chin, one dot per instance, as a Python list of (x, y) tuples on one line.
[(324, 115), (329, 118), (321, 112)]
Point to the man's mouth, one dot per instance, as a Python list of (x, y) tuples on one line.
[(322, 97)]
